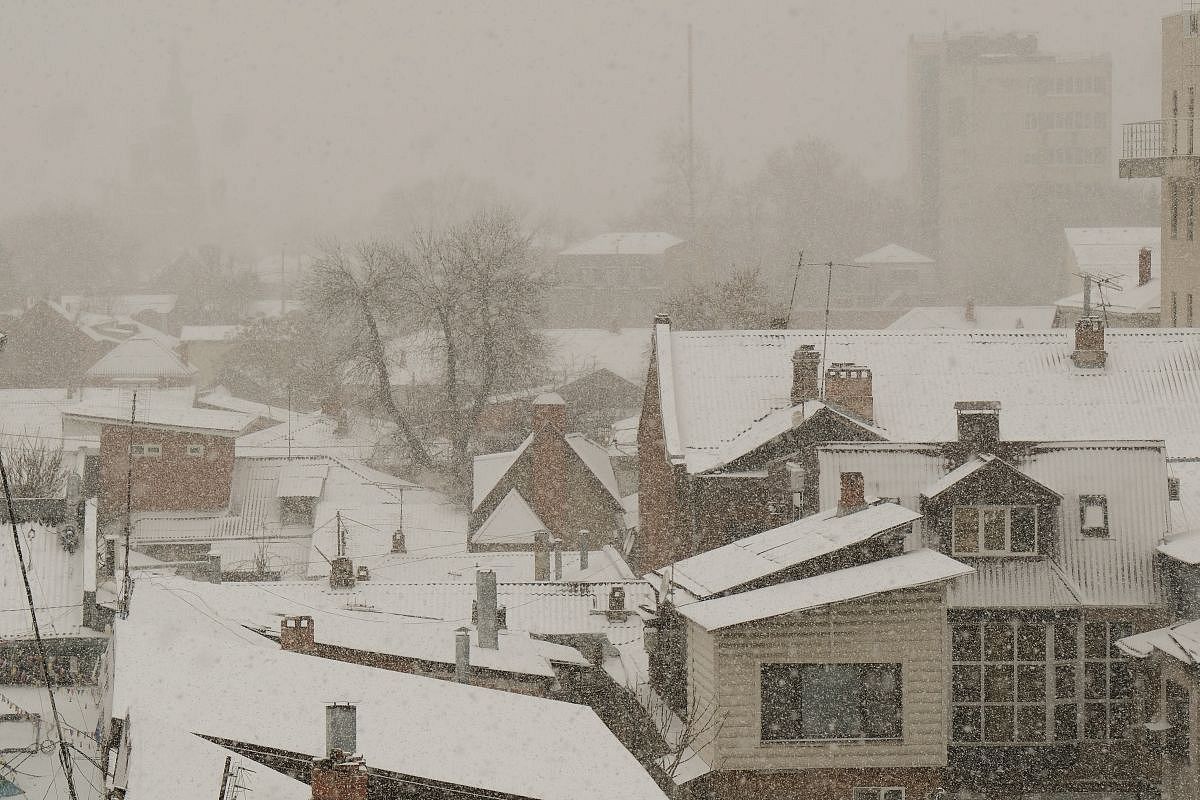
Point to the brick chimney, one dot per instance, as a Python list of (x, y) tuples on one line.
[(549, 473), (1089, 343), (849, 386), (297, 634), (584, 544), (541, 556), (485, 598), (341, 775), (806, 364), (1144, 266), (853, 495), (978, 424)]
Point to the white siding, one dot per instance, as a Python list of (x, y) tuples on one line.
[(906, 627)]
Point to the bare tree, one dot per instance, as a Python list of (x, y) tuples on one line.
[(683, 736), (359, 289), (473, 291), (35, 469)]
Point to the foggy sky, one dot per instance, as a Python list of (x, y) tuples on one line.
[(311, 111)]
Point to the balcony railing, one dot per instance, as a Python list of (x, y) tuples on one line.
[(1159, 138)]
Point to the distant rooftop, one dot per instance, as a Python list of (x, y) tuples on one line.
[(607, 244), (893, 254)]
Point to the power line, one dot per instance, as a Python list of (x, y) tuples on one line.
[(64, 756)]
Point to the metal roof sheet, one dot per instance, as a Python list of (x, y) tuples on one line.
[(716, 385), (773, 551), (220, 423), (910, 570), (55, 576)]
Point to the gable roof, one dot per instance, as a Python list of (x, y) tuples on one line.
[(907, 571), (611, 244), (511, 522), (773, 551), (141, 356), (893, 254), (981, 462), (490, 469), (714, 385)]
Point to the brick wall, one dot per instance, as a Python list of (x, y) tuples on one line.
[(660, 512), (172, 481)]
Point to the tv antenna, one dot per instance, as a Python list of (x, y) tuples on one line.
[(1101, 281)]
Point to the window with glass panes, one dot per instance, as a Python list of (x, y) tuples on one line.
[(1107, 682), (1020, 681), (990, 530)]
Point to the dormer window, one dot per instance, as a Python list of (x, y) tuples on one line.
[(995, 530), (1093, 515)]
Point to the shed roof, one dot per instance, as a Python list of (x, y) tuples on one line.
[(201, 420), (764, 554), (907, 571)]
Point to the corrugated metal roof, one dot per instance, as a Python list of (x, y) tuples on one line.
[(55, 576), (773, 551), (716, 385), (918, 568), (1012, 583), (1101, 571), (141, 356)]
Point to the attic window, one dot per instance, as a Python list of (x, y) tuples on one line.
[(1093, 514)]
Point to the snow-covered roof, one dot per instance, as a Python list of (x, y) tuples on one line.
[(1113, 571), (893, 254), (490, 469), (985, 318), (452, 564), (765, 554), (511, 522), (55, 575), (611, 244), (202, 420), (220, 398), (716, 385), (302, 479), (406, 724), (140, 357), (1129, 298), (1113, 251), (907, 571), (208, 333), (968, 468), (309, 435), (1180, 641)]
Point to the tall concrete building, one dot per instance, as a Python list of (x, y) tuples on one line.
[(1167, 148), (1008, 145)]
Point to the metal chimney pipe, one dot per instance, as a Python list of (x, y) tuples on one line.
[(557, 545), (583, 549), (462, 655), (341, 728), (485, 586)]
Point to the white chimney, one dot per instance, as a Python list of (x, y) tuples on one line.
[(462, 655), (485, 585)]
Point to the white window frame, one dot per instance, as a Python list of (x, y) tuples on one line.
[(194, 450), (1097, 501), (981, 552)]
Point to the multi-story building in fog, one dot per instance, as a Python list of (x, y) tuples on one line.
[(1167, 148), (1008, 145)]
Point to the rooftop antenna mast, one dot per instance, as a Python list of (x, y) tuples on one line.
[(127, 578), (795, 283), (1101, 282)]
